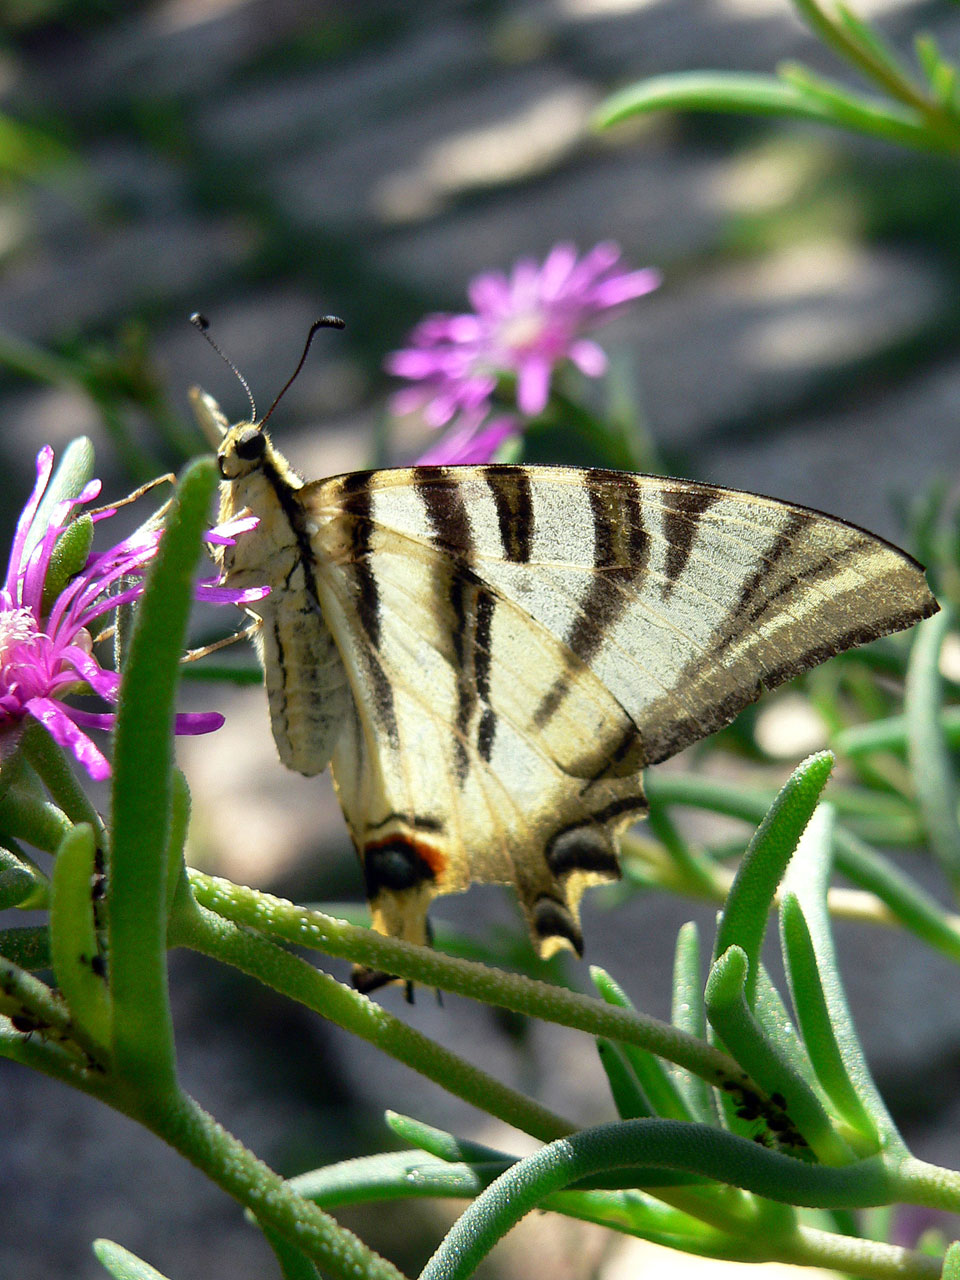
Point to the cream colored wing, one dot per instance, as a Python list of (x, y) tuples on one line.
[(521, 642)]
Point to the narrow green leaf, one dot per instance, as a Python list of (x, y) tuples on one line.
[(941, 74), (651, 1073), (904, 126), (907, 901), (778, 1027), (930, 764), (28, 946), (735, 91), (439, 1143), (951, 1262), (68, 557), (142, 794), (395, 1175), (814, 1015), (628, 1098), (25, 816), (747, 94), (804, 1121), (870, 41), (56, 772), (179, 827), (77, 961), (16, 882), (122, 1264), (743, 922), (72, 474), (817, 990), (294, 1265), (689, 1014), (855, 42)]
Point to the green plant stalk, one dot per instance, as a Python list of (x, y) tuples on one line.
[(877, 68), (181, 1122), (694, 1147), (751, 803), (411, 1175), (646, 866), (933, 776), (907, 903), (706, 1208), (408, 1175), (253, 954), (468, 978), (21, 992), (743, 922), (890, 734)]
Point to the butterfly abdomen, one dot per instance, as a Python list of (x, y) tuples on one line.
[(306, 683)]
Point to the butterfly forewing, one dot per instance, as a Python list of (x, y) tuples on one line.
[(520, 642)]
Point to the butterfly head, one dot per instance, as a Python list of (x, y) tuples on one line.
[(244, 449)]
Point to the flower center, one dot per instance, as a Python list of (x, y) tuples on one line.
[(522, 331), (17, 626)]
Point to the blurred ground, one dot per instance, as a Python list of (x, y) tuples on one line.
[(268, 160)]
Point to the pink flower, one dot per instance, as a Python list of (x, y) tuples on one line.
[(46, 652), (523, 325)]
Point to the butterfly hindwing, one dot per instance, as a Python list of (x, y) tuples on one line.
[(445, 779)]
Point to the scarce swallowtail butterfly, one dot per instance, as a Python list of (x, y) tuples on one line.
[(487, 657)]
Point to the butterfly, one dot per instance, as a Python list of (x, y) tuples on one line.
[(487, 657)]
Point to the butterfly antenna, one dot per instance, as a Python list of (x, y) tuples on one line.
[(203, 324), (325, 322)]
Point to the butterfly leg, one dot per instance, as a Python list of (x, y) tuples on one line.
[(246, 633)]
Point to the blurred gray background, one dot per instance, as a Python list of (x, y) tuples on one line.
[(265, 161)]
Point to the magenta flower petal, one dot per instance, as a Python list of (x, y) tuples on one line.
[(589, 358), (230, 595), (62, 729), (44, 470), (625, 288), (533, 385), (470, 443), (197, 722)]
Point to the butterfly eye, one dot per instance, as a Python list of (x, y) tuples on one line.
[(251, 444)]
